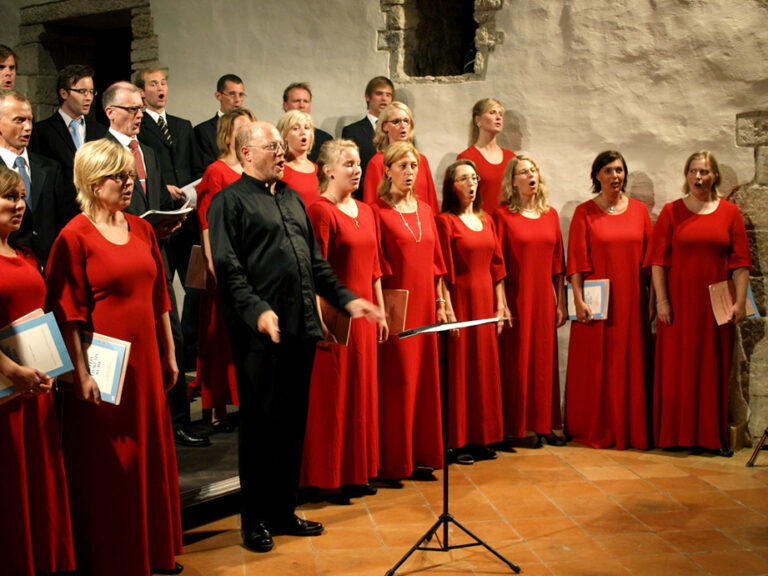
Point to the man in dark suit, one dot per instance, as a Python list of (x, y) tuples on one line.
[(50, 205), (230, 92), (379, 93), (59, 136), (173, 140), (124, 107), (298, 96)]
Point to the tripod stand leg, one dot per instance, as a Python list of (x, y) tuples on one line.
[(427, 536), (482, 543), (752, 459)]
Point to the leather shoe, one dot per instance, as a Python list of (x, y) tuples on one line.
[(177, 569), (357, 490), (258, 538), (296, 526), (184, 438)]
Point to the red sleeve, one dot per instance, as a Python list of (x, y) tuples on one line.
[(160, 300), (739, 256), (445, 232), (365, 213), (320, 217), (374, 172), (386, 268), (498, 269), (647, 239), (209, 185), (579, 259), (66, 279), (661, 242), (430, 195), (428, 216), (558, 258)]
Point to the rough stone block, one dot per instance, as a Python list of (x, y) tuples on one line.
[(752, 128), (396, 18), (146, 43), (142, 25)]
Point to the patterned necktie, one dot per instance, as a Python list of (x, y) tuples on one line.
[(21, 166), (74, 129), (140, 170), (164, 130)]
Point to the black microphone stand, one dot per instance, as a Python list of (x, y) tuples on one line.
[(446, 517)]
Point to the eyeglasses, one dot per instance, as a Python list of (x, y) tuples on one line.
[(85, 92), (234, 94), (532, 171), (271, 147), (465, 179), (398, 121), (132, 110), (122, 177), (702, 173)]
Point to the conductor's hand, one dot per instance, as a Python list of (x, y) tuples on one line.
[(268, 324), (362, 308)]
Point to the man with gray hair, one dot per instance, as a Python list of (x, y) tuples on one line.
[(269, 268), (50, 204)]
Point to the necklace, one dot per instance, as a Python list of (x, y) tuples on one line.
[(336, 202), (612, 207), (418, 221)]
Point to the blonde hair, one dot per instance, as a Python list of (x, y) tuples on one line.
[(225, 127), (288, 121), (510, 195), (381, 138), (392, 154), (714, 166), (480, 108), (94, 161), (330, 152)]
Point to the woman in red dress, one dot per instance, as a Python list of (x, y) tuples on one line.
[(698, 240), (473, 289), (35, 532), (215, 365), (298, 133), (529, 233), (607, 382), (410, 259), (341, 446), (396, 124), (486, 124), (106, 275)]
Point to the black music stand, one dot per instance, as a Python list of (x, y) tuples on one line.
[(446, 517)]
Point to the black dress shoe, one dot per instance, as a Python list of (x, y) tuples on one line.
[(464, 458), (553, 439), (184, 438), (480, 452), (338, 498), (724, 452), (357, 490), (177, 569), (258, 538), (395, 483), (424, 474), (296, 526)]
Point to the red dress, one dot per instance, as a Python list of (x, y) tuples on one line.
[(693, 355), (120, 460), (215, 365), (305, 183), (491, 176), (474, 264), (606, 384), (530, 377), (341, 444), (35, 532), (409, 387), (424, 186)]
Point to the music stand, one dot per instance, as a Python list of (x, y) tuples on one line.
[(446, 517)]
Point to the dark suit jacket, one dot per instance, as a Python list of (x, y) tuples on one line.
[(53, 205), (321, 136), (156, 196), (361, 133), (205, 133), (180, 163), (52, 139)]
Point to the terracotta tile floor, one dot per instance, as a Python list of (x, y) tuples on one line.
[(554, 511)]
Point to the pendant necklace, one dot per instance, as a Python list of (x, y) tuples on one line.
[(333, 199), (418, 221)]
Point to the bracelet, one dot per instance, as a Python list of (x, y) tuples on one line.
[(440, 300), (661, 302)]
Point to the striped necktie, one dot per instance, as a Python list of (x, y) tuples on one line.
[(164, 129)]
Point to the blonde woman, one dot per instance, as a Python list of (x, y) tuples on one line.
[(489, 157), (298, 132), (106, 275), (699, 240), (529, 234), (396, 124), (411, 259)]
